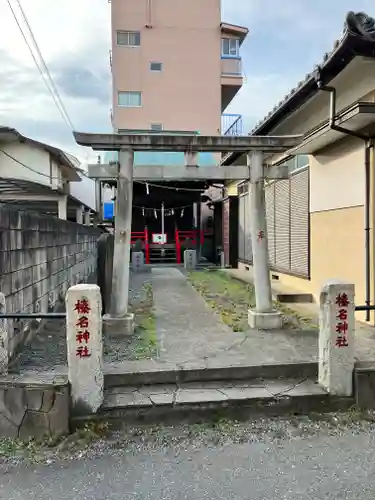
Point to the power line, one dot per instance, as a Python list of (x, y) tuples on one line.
[(28, 168), (64, 115), (138, 182), (44, 64)]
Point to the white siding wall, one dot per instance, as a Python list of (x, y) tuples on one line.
[(35, 158), (84, 191)]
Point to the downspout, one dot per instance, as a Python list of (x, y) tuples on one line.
[(149, 14), (369, 144)]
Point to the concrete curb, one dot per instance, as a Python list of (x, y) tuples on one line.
[(172, 375), (238, 410)]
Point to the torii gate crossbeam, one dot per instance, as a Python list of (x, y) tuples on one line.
[(255, 147)]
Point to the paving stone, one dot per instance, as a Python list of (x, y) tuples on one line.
[(222, 384), (123, 390), (199, 395), (166, 398), (123, 400), (306, 388), (153, 390), (246, 392)]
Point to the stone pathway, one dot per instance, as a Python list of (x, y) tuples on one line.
[(186, 327), (189, 331)]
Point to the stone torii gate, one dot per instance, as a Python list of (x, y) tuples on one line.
[(257, 149)]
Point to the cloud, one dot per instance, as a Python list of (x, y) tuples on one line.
[(258, 95), (77, 60), (285, 41), (78, 80)]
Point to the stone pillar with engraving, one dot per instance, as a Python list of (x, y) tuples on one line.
[(337, 338)]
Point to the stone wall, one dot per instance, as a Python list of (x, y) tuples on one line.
[(364, 383), (40, 257), (33, 409)]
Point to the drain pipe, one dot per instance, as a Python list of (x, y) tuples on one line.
[(149, 14), (369, 144)]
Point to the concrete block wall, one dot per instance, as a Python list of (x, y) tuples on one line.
[(40, 258)]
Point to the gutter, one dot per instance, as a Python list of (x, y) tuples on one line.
[(369, 145)]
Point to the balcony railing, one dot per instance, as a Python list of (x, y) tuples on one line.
[(231, 66), (231, 125)]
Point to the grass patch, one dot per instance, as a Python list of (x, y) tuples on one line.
[(146, 345), (231, 298), (294, 320), (36, 449)]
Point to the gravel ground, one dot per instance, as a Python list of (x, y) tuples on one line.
[(97, 440), (302, 458), (47, 350)]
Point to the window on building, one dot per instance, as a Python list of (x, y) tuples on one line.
[(301, 161), (129, 38), (130, 99), (297, 162), (156, 127), (156, 66), (230, 47)]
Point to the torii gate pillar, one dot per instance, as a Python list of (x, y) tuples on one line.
[(119, 321), (264, 317)]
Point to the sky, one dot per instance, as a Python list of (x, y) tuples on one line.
[(286, 40)]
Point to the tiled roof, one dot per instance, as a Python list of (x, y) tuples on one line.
[(358, 39), (356, 26)]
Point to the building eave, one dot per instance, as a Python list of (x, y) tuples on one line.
[(232, 29), (59, 155), (354, 118), (356, 41)]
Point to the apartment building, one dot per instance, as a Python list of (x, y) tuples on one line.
[(175, 68)]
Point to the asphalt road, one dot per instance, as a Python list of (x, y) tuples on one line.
[(324, 466)]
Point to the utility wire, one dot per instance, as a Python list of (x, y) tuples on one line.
[(138, 182), (44, 64), (61, 110), (28, 168)]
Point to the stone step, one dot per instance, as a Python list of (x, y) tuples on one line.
[(152, 372), (194, 402), (291, 298)]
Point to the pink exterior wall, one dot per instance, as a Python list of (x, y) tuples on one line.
[(186, 38)]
